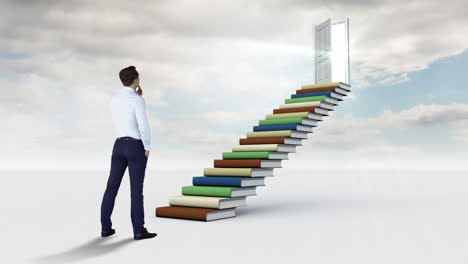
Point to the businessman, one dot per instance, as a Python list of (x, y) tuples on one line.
[(131, 148)]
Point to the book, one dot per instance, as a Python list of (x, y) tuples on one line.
[(246, 172), (228, 181), (341, 91), (341, 85), (218, 191), (305, 113), (312, 99), (207, 201), (319, 111), (331, 94), (277, 133), (265, 147), (247, 163), (255, 155), (292, 120), (195, 213), (297, 127), (271, 140), (317, 105)]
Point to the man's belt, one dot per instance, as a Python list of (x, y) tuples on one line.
[(127, 138)]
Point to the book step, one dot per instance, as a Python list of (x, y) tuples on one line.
[(331, 94), (219, 191), (246, 163), (228, 181), (271, 140), (265, 147), (207, 201), (274, 155), (194, 213), (288, 113), (297, 127), (246, 172)]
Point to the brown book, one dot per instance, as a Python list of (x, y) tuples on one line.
[(294, 110), (247, 163), (265, 140), (194, 213), (238, 163), (314, 90)]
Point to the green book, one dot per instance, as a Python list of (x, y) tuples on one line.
[(218, 191), (305, 99), (280, 121), (255, 155)]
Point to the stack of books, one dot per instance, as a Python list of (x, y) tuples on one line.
[(221, 189)]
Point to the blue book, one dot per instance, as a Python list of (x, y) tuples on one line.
[(228, 181), (326, 93), (275, 127)]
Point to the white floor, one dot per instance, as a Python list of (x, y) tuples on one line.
[(358, 216)]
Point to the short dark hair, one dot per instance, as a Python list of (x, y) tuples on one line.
[(128, 75)]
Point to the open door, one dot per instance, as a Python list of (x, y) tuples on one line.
[(322, 52), (332, 51)]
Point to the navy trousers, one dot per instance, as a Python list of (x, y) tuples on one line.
[(131, 153)]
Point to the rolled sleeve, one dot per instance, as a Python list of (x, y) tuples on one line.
[(143, 124)]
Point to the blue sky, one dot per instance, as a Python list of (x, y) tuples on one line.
[(208, 83)]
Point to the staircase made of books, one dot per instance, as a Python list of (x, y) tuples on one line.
[(236, 176)]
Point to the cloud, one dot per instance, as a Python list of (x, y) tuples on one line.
[(224, 62)]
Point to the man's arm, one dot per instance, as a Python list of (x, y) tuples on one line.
[(143, 124)]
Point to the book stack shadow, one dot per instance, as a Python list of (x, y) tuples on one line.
[(226, 186)]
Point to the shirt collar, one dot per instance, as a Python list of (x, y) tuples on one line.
[(128, 89)]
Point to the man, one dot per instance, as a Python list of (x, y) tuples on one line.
[(131, 148)]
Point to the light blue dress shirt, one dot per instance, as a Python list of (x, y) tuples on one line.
[(129, 116)]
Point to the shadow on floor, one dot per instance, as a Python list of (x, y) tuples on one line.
[(93, 248)]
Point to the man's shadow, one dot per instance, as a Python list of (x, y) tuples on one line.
[(93, 248)]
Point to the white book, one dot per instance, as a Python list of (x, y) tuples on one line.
[(207, 201), (304, 128), (293, 141), (298, 134), (307, 104), (219, 214), (336, 96), (330, 100), (309, 122), (264, 147)]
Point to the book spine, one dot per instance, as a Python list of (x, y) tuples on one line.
[(321, 85), (227, 171), (195, 201), (275, 127), (294, 110), (259, 147), (217, 181), (305, 99), (314, 90), (182, 212), (302, 104), (277, 133), (286, 115), (265, 140), (207, 191), (280, 121), (326, 93), (238, 163), (245, 155)]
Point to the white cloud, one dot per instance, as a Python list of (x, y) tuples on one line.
[(230, 60)]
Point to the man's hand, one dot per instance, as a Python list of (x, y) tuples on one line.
[(147, 153)]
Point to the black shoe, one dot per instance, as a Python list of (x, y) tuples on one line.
[(107, 233), (144, 235)]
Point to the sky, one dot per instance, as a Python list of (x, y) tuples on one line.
[(211, 69)]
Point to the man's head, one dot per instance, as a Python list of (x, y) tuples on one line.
[(129, 76)]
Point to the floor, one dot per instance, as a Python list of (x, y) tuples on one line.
[(322, 216)]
